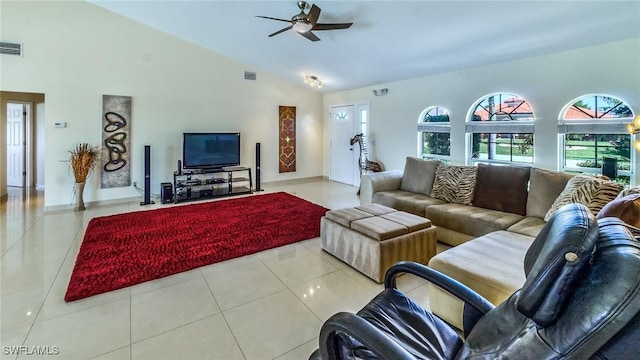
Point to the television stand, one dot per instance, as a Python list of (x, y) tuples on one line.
[(200, 184)]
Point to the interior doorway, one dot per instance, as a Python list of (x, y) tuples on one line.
[(18, 124), (346, 122)]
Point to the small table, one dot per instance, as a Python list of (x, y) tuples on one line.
[(371, 238)]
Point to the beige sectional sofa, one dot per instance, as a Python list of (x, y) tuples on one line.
[(508, 198), (487, 214)]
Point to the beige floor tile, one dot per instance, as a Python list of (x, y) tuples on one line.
[(301, 352), (120, 354), (84, 334), (273, 325), (157, 311), (228, 264), (208, 338), (20, 309), (165, 281), (287, 266), (363, 279), (243, 284), (12, 339), (333, 293)]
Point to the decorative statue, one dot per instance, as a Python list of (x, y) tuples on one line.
[(363, 162)]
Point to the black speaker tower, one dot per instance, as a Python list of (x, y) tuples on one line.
[(258, 167), (147, 176)]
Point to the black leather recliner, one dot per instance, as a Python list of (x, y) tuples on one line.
[(581, 300)]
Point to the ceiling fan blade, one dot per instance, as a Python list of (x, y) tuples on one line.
[(270, 18), (281, 30), (331, 26), (314, 14), (309, 35)]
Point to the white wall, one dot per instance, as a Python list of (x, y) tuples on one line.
[(75, 52), (548, 82)]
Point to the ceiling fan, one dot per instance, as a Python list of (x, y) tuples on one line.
[(303, 23)]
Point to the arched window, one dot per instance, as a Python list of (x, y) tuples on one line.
[(501, 127), (592, 130), (434, 131)]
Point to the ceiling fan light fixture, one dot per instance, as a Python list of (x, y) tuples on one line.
[(301, 27)]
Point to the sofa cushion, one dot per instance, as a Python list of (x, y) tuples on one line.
[(529, 226), (455, 184), (470, 220), (626, 208), (345, 217), (418, 175), (502, 188), (379, 228), (544, 188), (590, 191), (405, 201), (490, 264)]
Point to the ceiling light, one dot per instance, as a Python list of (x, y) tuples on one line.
[(302, 27), (312, 81)]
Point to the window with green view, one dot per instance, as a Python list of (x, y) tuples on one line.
[(501, 130), (594, 127), (435, 133)]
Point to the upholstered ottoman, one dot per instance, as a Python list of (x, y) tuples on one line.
[(371, 238)]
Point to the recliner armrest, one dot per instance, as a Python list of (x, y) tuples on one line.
[(361, 330), (371, 183), (475, 305)]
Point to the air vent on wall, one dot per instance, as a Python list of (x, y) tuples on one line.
[(249, 75), (9, 48)]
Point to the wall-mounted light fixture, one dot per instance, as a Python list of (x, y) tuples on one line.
[(634, 128), (380, 92), (312, 81)]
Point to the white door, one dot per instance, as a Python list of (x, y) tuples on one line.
[(344, 157), (15, 144)]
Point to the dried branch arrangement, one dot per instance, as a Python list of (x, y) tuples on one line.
[(83, 158)]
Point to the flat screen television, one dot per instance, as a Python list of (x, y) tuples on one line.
[(210, 150)]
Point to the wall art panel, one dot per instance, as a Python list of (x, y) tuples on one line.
[(287, 146), (116, 129)]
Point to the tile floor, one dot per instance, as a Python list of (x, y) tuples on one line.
[(269, 305)]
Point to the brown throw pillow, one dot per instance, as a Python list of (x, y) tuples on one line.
[(502, 188), (626, 208)]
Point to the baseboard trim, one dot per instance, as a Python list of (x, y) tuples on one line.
[(91, 204), (292, 181)]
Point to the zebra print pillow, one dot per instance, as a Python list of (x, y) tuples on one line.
[(605, 193), (455, 184), (590, 191)]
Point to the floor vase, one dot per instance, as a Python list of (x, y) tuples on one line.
[(79, 189)]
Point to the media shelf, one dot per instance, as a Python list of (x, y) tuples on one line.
[(202, 184)]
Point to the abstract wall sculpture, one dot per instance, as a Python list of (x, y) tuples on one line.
[(115, 154), (287, 145)]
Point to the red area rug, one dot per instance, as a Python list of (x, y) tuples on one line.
[(127, 249)]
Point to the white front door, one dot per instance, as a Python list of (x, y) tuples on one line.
[(15, 144), (344, 157)]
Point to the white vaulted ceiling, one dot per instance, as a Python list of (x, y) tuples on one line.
[(389, 40)]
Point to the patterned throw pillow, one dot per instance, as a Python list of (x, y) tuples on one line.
[(590, 191), (455, 184), (606, 192)]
